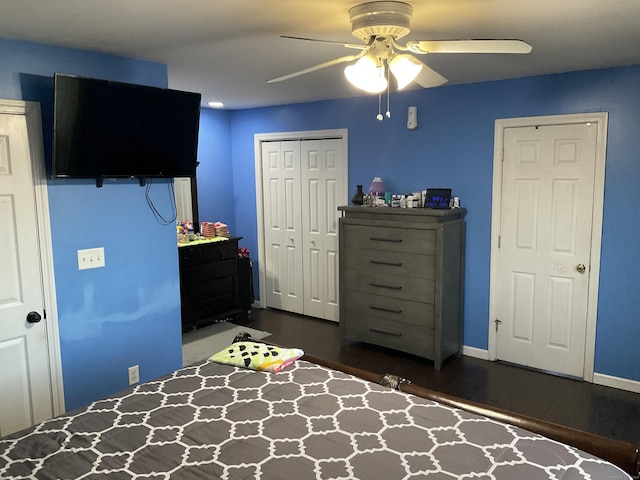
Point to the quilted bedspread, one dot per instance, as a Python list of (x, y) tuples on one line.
[(211, 421)]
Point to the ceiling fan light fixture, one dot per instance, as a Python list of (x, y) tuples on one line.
[(366, 74), (379, 24), (405, 68), (380, 18)]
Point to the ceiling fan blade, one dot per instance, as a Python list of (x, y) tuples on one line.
[(335, 61), (348, 45), (469, 46), (429, 78)]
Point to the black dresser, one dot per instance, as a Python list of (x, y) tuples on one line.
[(208, 282)]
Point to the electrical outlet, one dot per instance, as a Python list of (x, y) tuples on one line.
[(134, 374), (90, 258)]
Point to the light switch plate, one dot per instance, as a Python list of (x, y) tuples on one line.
[(91, 258)]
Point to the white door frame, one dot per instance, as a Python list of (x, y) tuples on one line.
[(258, 138), (601, 120), (31, 110)]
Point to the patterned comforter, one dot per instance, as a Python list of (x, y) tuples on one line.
[(211, 421)]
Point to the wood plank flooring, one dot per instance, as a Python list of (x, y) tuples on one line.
[(602, 410)]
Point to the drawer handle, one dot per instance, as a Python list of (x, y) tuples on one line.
[(393, 334), (392, 287), (382, 309), (390, 264), (392, 240)]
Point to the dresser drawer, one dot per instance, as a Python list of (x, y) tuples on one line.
[(206, 290), (213, 308), (400, 336), (389, 239), (392, 309), (208, 271), (190, 256), (207, 252), (396, 286), (381, 262), (223, 250)]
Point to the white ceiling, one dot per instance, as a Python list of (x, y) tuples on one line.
[(226, 50)]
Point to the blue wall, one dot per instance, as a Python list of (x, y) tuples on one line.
[(453, 146), (127, 313), (215, 172)]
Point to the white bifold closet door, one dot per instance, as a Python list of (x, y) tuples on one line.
[(282, 224), (303, 185)]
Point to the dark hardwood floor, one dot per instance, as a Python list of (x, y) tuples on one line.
[(594, 408)]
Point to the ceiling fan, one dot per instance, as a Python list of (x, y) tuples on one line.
[(379, 25)]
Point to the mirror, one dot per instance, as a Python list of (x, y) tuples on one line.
[(186, 196)]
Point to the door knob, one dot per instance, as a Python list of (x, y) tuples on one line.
[(581, 268), (33, 317)]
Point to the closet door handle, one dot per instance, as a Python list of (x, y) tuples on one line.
[(390, 264), (391, 240), (392, 287), (382, 309)]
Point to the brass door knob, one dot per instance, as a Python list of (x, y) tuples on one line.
[(581, 268)]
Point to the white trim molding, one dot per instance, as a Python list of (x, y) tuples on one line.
[(475, 352), (616, 382)]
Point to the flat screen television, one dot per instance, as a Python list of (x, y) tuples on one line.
[(107, 129)]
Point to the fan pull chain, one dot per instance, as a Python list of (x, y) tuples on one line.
[(388, 94), (388, 112)]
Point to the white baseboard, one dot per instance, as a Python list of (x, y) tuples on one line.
[(616, 382), (475, 352), (598, 378)]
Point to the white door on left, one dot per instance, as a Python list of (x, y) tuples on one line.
[(25, 377)]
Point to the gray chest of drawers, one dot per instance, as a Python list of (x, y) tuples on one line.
[(401, 279)]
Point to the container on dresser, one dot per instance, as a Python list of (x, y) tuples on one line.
[(208, 281), (401, 279)]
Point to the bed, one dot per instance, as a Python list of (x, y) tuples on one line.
[(312, 420)]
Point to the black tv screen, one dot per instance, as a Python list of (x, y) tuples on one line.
[(106, 129)]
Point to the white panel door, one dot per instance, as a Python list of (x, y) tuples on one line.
[(282, 225), (322, 187), (547, 207), (25, 376)]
